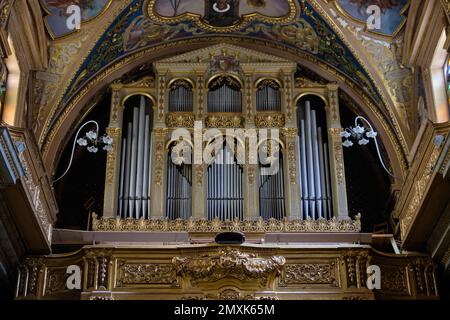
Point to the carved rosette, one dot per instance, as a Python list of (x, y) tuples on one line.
[(180, 120), (270, 120), (248, 226), (225, 121), (228, 263)]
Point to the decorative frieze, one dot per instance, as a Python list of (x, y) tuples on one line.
[(225, 121), (310, 274), (180, 120), (228, 262), (249, 226), (270, 120)]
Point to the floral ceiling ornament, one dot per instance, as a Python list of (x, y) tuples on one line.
[(91, 141), (362, 135)]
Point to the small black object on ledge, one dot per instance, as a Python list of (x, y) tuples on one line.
[(230, 238)]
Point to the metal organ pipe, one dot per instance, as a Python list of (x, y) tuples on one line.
[(309, 153), (140, 159), (122, 175), (316, 171), (327, 181), (126, 194), (145, 189), (304, 170), (322, 173), (315, 185)]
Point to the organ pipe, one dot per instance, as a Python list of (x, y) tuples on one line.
[(316, 174), (224, 187), (315, 185), (271, 193), (140, 159), (134, 184), (145, 189), (224, 99)]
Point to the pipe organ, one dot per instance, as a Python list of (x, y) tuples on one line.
[(135, 163), (225, 192), (271, 192), (224, 95), (213, 90), (179, 190), (181, 97), (313, 161), (268, 96)]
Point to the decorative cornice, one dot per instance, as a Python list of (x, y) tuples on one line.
[(214, 226)]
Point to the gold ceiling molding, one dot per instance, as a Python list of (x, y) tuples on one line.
[(150, 7), (47, 137), (380, 83), (248, 226)]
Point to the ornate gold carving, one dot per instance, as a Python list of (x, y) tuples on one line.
[(224, 121), (199, 173), (301, 82), (270, 120), (248, 226), (228, 262), (56, 281), (115, 134), (338, 154), (394, 280), (201, 88), (288, 96), (320, 273), (180, 120), (419, 192), (159, 166), (36, 194), (162, 95), (146, 274), (292, 163)]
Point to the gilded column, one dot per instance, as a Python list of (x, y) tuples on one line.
[(338, 185), (199, 167), (110, 206), (159, 159), (251, 188), (292, 194)]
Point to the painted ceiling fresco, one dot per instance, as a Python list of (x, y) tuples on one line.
[(392, 17), (223, 12), (56, 19), (133, 30)]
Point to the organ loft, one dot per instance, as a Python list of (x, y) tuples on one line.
[(223, 150)]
